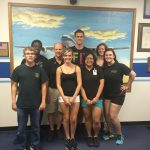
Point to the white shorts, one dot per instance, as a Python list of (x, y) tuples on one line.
[(60, 99)]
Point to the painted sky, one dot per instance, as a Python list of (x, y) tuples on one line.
[(49, 24)]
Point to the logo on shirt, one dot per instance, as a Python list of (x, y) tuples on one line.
[(37, 75), (94, 72), (39, 64), (113, 71), (78, 57)]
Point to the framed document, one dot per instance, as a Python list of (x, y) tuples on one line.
[(146, 9), (4, 50), (148, 64), (143, 44)]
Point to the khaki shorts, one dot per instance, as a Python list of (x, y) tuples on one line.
[(52, 106), (77, 100)]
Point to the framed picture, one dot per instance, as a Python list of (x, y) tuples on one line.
[(143, 43), (146, 9), (148, 64), (51, 24), (4, 49)]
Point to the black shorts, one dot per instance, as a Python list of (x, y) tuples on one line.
[(117, 100)]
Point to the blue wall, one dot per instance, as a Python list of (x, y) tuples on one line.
[(139, 68)]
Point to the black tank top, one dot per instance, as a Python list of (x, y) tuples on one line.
[(69, 83)]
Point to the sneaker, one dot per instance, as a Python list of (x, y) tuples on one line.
[(96, 141), (68, 144), (108, 136), (74, 145), (90, 141), (119, 139), (35, 148), (51, 135)]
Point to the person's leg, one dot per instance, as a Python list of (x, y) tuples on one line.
[(66, 115), (88, 120), (51, 110), (114, 111), (73, 123), (35, 128), (107, 114), (65, 111), (59, 131), (96, 116), (88, 124), (59, 120), (22, 118), (107, 135), (73, 118), (51, 119), (51, 131)]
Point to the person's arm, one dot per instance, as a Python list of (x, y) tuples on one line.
[(58, 83), (14, 86), (132, 76), (79, 84), (43, 91), (99, 92), (84, 96)]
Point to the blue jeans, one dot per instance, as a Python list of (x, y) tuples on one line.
[(22, 114)]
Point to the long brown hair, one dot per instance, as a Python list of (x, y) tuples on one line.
[(115, 58), (106, 47)]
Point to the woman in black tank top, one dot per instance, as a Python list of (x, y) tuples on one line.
[(68, 77)]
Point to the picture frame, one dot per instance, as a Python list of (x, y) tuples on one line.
[(146, 13), (4, 49), (143, 42), (148, 64), (113, 26)]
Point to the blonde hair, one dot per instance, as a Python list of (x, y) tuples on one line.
[(67, 50), (29, 49)]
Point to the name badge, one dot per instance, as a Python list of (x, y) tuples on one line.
[(94, 72)]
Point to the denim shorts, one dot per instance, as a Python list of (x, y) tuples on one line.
[(98, 104)]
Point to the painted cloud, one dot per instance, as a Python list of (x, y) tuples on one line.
[(104, 35), (33, 18)]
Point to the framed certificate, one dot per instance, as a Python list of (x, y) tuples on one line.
[(143, 44), (146, 9), (148, 64)]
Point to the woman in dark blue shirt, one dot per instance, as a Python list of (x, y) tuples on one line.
[(92, 86), (114, 91)]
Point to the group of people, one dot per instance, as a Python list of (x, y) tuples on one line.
[(74, 80)]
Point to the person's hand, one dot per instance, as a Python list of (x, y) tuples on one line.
[(88, 102), (94, 100), (123, 89), (67, 101), (42, 106), (14, 106), (71, 100)]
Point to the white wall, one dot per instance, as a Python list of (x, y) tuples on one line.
[(136, 107)]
